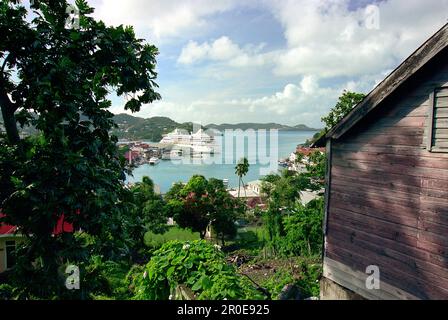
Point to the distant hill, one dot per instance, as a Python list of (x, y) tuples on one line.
[(152, 129), (257, 126), (133, 128), (130, 127)]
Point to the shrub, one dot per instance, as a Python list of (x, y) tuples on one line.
[(6, 292), (310, 274), (276, 283), (199, 265)]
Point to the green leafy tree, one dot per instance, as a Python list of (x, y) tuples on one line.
[(226, 210), (146, 211), (191, 207), (316, 168), (149, 206), (57, 79), (346, 102), (241, 169), (282, 191), (303, 229), (202, 203)]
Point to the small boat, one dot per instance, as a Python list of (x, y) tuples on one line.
[(154, 161), (283, 163)]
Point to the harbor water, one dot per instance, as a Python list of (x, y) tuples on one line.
[(263, 151)]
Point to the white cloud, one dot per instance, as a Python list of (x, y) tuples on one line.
[(223, 49), (167, 18), (326, 47), (303, 102), (327, 39)]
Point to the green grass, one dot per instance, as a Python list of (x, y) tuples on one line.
[(249, 239), (153, 240)]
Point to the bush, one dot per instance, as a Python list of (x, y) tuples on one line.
[(276, 283), (6, 292), (298, 230), (199, 266), (309, 276), (305, 276)]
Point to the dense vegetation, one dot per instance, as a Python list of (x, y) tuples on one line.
[(198, 265)]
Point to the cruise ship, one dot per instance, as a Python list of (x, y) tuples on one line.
[(200, 142)]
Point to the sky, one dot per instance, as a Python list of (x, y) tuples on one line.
[(284, 61)]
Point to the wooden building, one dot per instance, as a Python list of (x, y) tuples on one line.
[(387, 186)]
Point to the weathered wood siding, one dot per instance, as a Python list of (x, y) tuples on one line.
[(388, 199)]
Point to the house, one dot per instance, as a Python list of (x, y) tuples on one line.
[(386, 200), (8, 240), (251, 194), (299, 164), (9, 237)]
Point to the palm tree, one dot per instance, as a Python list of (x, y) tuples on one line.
[(241, 169)]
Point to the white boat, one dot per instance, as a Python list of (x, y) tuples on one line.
[(199, 142), (154, 161), (177, 136)]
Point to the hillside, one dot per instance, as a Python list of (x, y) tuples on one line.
[(130, 127), (152, 129), (257, 126)]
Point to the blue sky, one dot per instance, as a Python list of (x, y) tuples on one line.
[(270, 61)]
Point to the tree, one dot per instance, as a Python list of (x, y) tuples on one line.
[(202, 203), (57, 79), (303, 229), (190, 207), (241, 169), (150, 206), (225, 211), (146, 212), (346, 102), (283, 191)]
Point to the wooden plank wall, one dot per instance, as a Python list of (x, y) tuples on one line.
[(388, 204)]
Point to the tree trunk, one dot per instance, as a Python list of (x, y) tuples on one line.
[(9, 120), (244, 188), (239, 187)]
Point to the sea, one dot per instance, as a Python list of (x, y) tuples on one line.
[(263, 148)]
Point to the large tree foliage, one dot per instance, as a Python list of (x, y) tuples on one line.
[(303, 229), (202, 203), (58, 79), (147, 212), (346, 102), (291, 227)]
